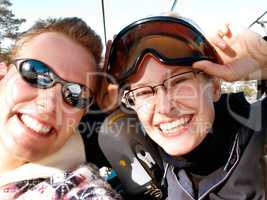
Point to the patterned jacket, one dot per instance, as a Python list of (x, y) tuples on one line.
[(82, 183)]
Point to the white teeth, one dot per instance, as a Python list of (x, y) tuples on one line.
[(167, 127), (35, 125)]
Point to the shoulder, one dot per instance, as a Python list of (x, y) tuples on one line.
[(259, 112), (235, 108), (230, 109), (233, 102)]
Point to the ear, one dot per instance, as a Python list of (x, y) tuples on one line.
[(216, 89), (3, 69)]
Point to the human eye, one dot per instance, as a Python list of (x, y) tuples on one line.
[(143, 92), (179, 79)]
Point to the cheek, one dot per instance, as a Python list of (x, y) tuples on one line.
[(11, 90), (185, 91), (206, 111), (145, 114), (196, 96), (186, 98), (70, 119), (206, 98), (185, 94)]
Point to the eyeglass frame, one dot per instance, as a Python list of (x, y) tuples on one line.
[(125, 93)]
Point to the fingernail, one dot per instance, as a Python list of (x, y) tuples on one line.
[(222, 44)]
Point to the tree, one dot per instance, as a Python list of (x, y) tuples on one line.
[(9, 24)]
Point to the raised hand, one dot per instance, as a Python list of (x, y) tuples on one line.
[(244, 56)]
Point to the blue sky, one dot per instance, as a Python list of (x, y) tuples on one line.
[(209, 14)]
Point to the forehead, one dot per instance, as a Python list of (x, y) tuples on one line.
[(152, 71), (67, 58)]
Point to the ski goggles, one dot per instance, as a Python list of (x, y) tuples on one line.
[(39, 75), (173, 41)]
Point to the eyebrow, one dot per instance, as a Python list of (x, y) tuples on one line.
[(139, 85), (142, 85), (181, 71)]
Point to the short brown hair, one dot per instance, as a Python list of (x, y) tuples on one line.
[(73, 27)]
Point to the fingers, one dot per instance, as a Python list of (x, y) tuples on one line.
[(226, 31), (219, 42), (236, 49), (223, 43), (108, 96), (240, 69), (225, 72), (108, 46), (211, 68), (218, 39)]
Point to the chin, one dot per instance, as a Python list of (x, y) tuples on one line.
[(179, 148), (177, 152)]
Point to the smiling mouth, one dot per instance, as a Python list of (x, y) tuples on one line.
[(176, 126), (35, 125)]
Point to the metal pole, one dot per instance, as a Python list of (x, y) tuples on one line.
[(104, 20), (257, 19), (173, 5)]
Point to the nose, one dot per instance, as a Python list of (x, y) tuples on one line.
[(163, 103), (49, 99)]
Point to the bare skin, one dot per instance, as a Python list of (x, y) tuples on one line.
[(244, 56), (22, 104)]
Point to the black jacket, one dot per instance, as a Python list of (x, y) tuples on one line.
[(228, 164)]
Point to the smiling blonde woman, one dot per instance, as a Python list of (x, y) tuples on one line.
[(44, 92)]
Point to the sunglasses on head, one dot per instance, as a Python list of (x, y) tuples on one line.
[(173, 41), (39, 75)]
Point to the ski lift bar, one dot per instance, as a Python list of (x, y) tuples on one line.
[(257, 20), (261, 84), (104, 20), (174, 5)]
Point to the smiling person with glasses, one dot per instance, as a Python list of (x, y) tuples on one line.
[(211, 145), (48, 86)]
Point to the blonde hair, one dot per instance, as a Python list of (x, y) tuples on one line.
[(72, 27)]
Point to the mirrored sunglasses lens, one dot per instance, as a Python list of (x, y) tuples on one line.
[(76, 95), (36, 73)]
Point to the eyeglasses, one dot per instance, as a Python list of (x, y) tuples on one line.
[(177, 86), (173, 41), (39, 75)]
